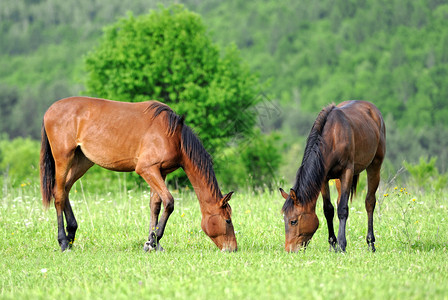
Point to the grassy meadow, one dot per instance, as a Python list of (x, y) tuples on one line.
[(107, 259)]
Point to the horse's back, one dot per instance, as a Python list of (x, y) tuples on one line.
[(110, 133), (364, 117), (359, 111), (77, 105), (85, 119)]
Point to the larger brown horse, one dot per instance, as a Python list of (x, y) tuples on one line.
[(146, 137), (344, 140)]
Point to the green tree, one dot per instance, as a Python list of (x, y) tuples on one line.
[(168, 56), (9, 97)]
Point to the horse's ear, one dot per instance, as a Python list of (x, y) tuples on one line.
[(225, 199), (284, 194), (293, 195)]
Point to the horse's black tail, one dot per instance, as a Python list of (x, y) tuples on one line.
[(353, 187), (47, 169)]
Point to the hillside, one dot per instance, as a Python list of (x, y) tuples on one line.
[(393, 53)]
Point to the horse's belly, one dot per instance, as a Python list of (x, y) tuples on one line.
[(111, 159)]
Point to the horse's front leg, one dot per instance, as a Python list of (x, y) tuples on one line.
[(329, 214), (156, 181), (153, 242), (346, 183)]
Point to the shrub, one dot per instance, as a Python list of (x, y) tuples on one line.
[(426, 176), (254, 162), (19, 161)]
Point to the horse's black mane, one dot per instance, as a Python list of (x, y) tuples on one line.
[(191, 145), (173, 119), (311, 173)]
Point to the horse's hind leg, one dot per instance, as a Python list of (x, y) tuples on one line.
[(62, 166), (329, 214), (70, 166), (373, 180), (79, 167)]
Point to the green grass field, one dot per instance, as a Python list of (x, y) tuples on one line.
[(107, 259)]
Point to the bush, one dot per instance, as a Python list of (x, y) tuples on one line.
[(261, 158), (425, 175), (253, 163), (19, 161)]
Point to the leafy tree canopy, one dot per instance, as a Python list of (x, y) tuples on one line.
[(168, 56)]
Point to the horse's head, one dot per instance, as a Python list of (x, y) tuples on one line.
[(217, 224), (301, 222)]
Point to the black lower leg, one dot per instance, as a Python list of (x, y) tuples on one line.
[(62, 237), (370, 208), (71, 232), (370, 236), (329, 215), (343, 216), (72, 225), (156, 234), (153, 224)]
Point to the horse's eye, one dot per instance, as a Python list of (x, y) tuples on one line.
[(293, 223), (228, 221)]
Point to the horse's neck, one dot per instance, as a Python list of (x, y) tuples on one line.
[(207, 194), (309, 181)]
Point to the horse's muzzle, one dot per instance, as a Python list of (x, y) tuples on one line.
[(229, 247)]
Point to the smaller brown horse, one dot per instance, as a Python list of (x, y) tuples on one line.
[(344, 141), (146, 137)]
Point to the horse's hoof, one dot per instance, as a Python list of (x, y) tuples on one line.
[(64, 246), (147, 247), (333, 247), (339, 249)]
